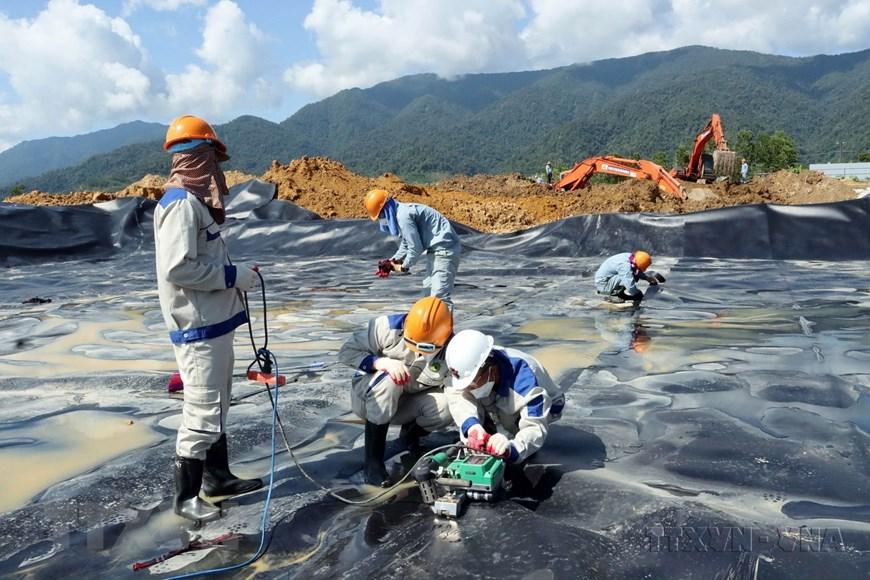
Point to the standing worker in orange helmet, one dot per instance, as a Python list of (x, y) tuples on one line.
[(420, 229), (617, 277), (200, 292), (400, 374)]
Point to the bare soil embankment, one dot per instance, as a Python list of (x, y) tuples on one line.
[(491, 203)]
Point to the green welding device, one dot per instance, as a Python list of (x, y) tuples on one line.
[(446, 483)]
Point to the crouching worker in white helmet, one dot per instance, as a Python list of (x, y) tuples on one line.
[(502, 386), (200, 297), (400, 375)]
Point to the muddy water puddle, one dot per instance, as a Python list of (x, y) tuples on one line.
[(46, 451)]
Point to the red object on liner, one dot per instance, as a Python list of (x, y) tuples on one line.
[(175, 383), (266, 378)]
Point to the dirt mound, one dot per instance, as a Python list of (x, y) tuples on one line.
[(150, 186), (511, 184), (78, 198), (331, 190), (492, 203), (790, 188), (511, 202)]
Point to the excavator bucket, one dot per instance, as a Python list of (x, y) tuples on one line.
[(725, 163)]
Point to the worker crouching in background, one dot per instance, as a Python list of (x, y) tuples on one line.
[(200, 297), (618, 276), (420, 229), (400, 374), (502, 399)]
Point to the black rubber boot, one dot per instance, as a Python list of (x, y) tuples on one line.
[(636, 298), (376, 440), (217, 479), (188, 504), (409, 438)]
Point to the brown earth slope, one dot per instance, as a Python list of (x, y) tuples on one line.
[(492, 203), (501, 203), (150, 186)]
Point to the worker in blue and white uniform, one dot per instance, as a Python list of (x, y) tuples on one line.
[(502, 399), (421, 230), (200, 292), (400, 367)]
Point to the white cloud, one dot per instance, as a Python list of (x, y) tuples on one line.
[(69, 65), (233, 53), (131, 6), (563, 32), (131, 87), (74, 68), (359, 47), (448, 37)]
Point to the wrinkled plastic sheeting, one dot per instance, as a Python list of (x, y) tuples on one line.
[(254, 199), (745, 410), (835, 231)]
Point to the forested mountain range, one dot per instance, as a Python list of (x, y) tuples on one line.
[(422, 127), (31, 158)]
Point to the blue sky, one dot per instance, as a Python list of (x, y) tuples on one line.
[(74, 66)]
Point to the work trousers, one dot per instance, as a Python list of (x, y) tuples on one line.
[(441, 267), (611, 287), (206, 367), (377, 399)]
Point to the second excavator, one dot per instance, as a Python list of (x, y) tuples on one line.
[(702, 166)]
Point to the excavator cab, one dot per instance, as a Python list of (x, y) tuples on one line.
[(708, 166)]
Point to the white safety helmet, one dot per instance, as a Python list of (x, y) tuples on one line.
[(466, 353)]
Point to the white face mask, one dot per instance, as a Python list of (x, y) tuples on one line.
[(483, 390)]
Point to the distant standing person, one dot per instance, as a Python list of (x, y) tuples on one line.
[(420, 230), (744, 171), (549, 169)]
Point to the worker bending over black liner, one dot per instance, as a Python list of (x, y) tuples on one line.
[(618, 276), (421, 230)]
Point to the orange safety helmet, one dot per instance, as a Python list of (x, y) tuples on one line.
[(189, 127), (642, 260), (375, 201), (428, 326)]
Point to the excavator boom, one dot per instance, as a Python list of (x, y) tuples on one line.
[(578, 177)]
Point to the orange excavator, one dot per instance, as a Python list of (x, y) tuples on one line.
[(704, 166), (579, 175)]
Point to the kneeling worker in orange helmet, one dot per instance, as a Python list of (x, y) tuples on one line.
[(400, 373), (618, 275), (420, 230)]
